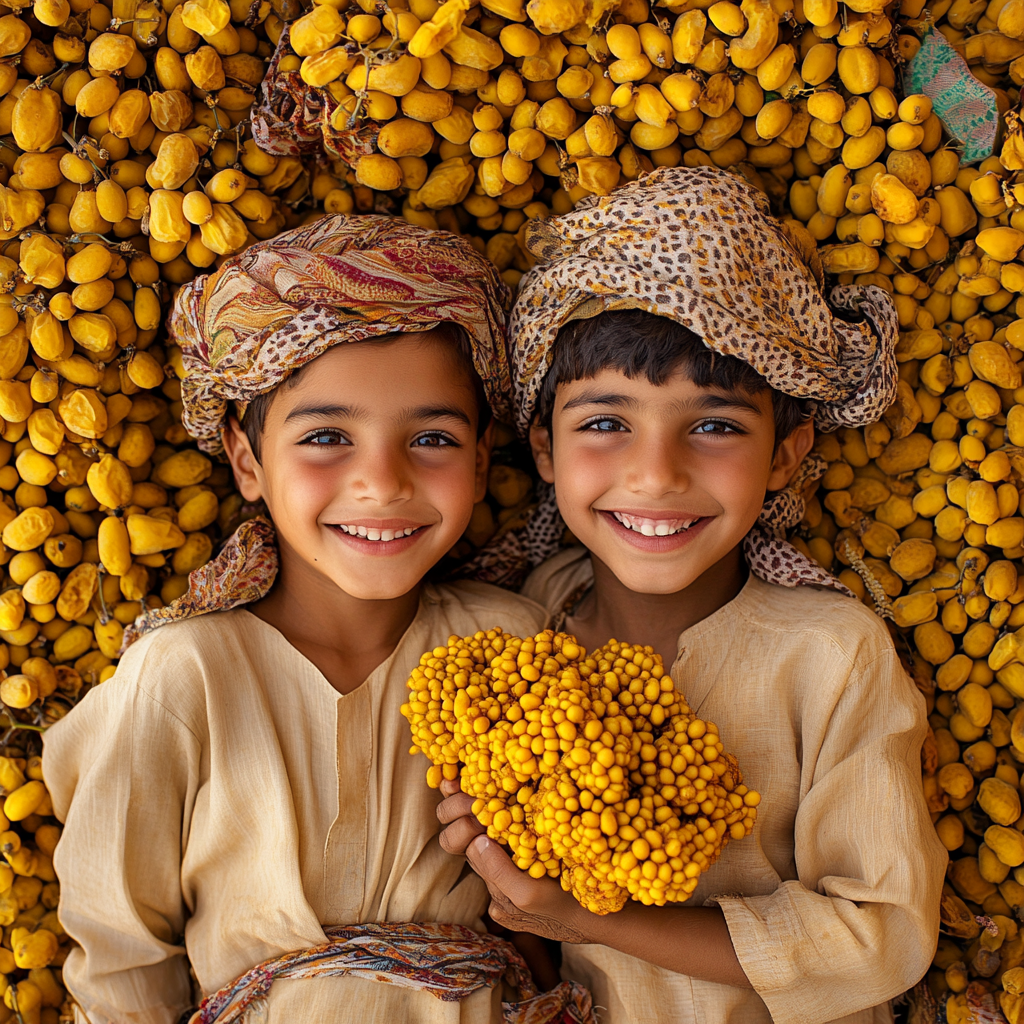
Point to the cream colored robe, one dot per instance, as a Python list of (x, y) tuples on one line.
[(222, 798), (833, 902)]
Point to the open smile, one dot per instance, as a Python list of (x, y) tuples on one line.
[(655, 527), (379, 538), (655, 533), (372, 534)]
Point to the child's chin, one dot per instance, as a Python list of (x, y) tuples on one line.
[(640, 581), (378, 585), (646, 572)]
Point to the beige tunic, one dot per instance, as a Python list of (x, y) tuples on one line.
[(832, 902), (222, 798)]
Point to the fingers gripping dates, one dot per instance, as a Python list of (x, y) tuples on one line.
[(591, 769)]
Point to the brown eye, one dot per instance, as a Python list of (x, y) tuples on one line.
[(435, 441)]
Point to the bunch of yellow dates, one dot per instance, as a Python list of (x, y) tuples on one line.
[(591, 769)]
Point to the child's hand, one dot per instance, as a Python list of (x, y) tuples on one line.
[(522, 903), (456, 812)]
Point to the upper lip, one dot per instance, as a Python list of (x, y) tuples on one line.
[(378, 524), (662, 514)]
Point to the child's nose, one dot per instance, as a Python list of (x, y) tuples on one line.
[(657, 468), (384, 477)]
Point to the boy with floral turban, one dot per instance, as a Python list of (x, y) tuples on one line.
[(241, 790), (673, 352)]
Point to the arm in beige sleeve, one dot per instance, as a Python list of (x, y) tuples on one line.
[(122, 771), (860, 924)]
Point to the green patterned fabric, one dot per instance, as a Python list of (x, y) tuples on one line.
[(966, 106)]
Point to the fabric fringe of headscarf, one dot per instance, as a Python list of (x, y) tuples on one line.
[(242, 572), (769, 555), (446, 960)]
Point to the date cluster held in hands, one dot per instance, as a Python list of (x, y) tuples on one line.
[(589, 768)]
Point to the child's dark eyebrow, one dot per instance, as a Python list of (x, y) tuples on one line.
[(321, 411), (597, 398), (707, 401), (352, 412), (441, 412), (727, 401)]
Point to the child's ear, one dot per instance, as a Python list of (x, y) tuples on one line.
[(540, 445), (790, 454), (483, 461), (243, 463)]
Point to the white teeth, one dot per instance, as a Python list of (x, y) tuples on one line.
[(653, 527), (377, 535)]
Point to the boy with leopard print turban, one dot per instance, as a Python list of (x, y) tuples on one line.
[(673, 352)]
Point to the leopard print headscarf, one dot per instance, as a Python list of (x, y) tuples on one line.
[(701, 247)]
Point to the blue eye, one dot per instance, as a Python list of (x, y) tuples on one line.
[(715, 427), (324, 438), (605, 425), (435, 440)]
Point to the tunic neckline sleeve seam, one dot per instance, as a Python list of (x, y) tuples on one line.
[(171, 714)]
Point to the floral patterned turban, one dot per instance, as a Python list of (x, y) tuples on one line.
[(699, 246), (275, 307), (281, 303)]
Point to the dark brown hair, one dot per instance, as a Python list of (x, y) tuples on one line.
[(641, 344), (457, 344)]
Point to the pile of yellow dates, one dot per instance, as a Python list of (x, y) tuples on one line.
[(920, 514), (592, 770), (128, 166)]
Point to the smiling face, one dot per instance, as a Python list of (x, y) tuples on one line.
[(369, 465), (662, 481)]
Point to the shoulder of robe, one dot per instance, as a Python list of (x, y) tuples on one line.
[(160, 680), (173, 662), (819, 617), (470, 606)]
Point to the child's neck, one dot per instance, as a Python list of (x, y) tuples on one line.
[(344, 636), (610, 610)]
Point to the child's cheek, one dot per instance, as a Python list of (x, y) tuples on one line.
[(451, 490), (305, 491), (582, 476)]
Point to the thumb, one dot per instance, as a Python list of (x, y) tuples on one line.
[(493, 864)]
